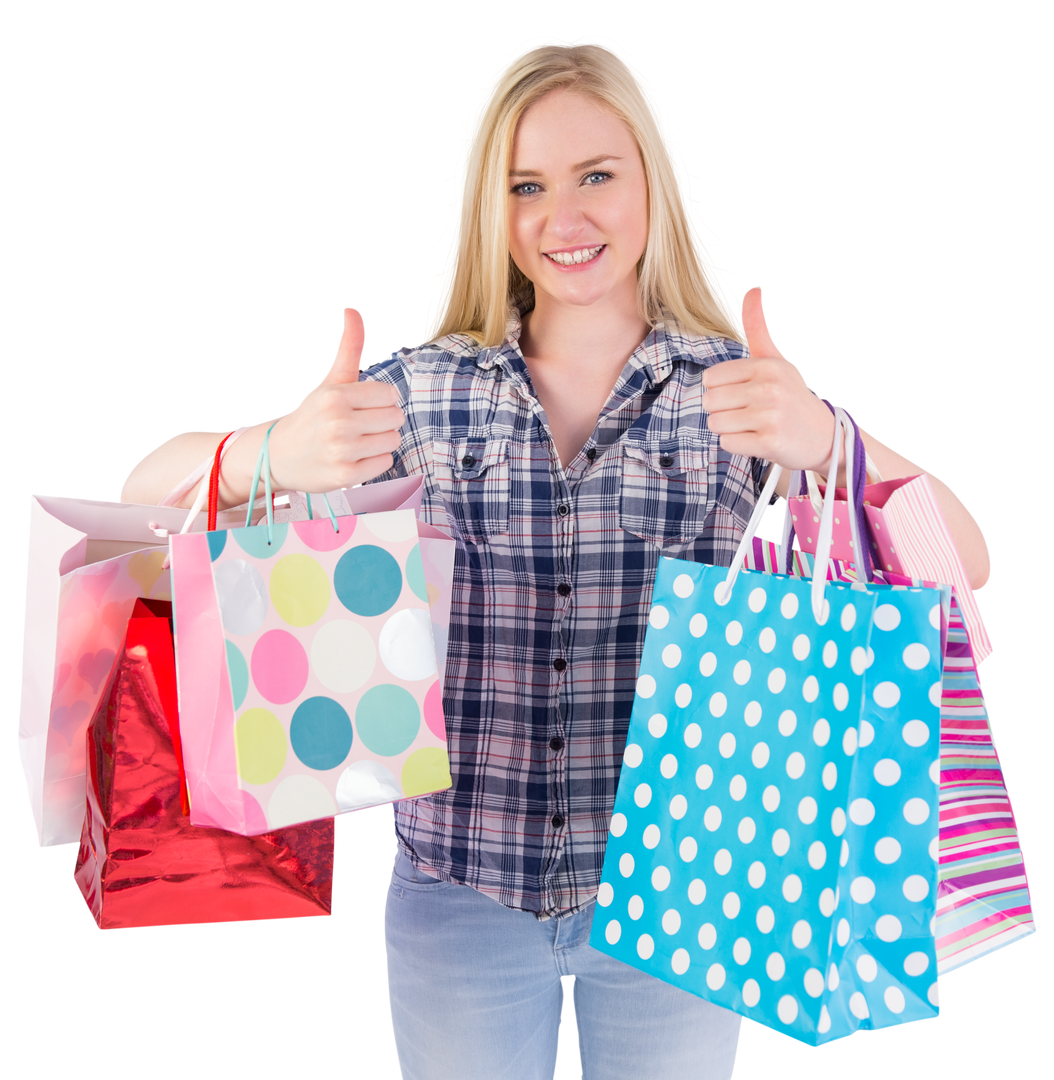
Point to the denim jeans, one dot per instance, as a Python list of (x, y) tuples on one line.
[(476, 995)]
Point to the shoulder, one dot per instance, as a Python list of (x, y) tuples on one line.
[(702, 351), (452, 350)]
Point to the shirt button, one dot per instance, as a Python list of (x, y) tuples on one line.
[(560, 663), (558, 821), (591, 453), (556, 743), (468, 461), (563, 589), (666, 461), (563, 509)]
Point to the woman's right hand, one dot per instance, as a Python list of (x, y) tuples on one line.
[(344, 432)]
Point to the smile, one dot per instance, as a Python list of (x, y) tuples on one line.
[(574, 258)]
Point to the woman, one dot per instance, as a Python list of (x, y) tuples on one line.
[(585, 407)]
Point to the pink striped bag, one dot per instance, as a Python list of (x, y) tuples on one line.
[(983, 900)]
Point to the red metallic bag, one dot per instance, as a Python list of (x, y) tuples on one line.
[(141, 862)]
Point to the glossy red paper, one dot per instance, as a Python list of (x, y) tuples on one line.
[(141, 862)]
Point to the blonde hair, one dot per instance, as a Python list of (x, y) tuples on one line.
[(671, 285)]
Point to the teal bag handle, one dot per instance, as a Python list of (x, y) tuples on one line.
[(263, 465)]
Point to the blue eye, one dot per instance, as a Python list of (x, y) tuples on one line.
[(594, 178), (528, 188)]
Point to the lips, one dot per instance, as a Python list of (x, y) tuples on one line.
[(578, 257)]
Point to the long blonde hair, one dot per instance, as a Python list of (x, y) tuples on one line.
[(671, 285)]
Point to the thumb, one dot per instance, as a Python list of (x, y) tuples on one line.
[(758, 341), (346, 366)]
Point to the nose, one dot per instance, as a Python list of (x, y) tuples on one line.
[(566, 218)]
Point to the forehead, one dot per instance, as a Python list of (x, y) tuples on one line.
[(566, 128)]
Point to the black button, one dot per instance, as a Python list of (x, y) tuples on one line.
[(468, 461), (556, 743), (560, 663), (666, 461), (563, 509), (591, 453), (558, 821), (563, 589)]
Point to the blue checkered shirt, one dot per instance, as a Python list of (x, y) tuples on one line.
[(553, 578)]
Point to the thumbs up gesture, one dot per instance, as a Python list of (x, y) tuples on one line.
[(344, 431), (761, 407)]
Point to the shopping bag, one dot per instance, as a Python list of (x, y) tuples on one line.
[(141, 862), (307, 671), (774, 842)]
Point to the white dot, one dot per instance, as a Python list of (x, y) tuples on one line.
[(821, 732), (657, 726), (618, 824), (777, 680), (829, 777), (789, 606), (723, 861), (645, 946), (858, 1006), (916, 888), (867, 968), (827, 903), (605, 894), (935, 849), (775, 967), (708, 664), (767, 639), (741, 672), (861, 811), (751, 993), (817, 854), (683, 586), (741, 951), (688, 849), (933, 995), (849, 741), (747, 830), (781, 842), (752, 713), (848, 619), (645, 686), (807, 810), (625, 865), (756, 600), (727, 745), (862, 890), (887, 850), (633, 755), (867, 733), (810, 689), (635, 907), (730, 905), (935, 616), (787, 722), (680, 961), (916, 811), (683, 696), (787, 1009), (858, 660), (612, 932), (651, 837), (916, 656), (737, 787), (704, 777), (734, 632), (715, 976), (696, 891), (770, 798), (886, 695), (693, 733), (801, 647), (915, 733), (791, 888), (894, 999), (830, 654), (870, 656), (840, 696), (707, 936), (756, 875), (916, 963), (760, 755), (843, 932), (823, 1025), (671, 921), (843, 855), (766, 919), (659, 617), (935, 771), (887, 772), (668, 766), (935, 694), (814, 982), (801, 935), (838, 821), (718, 704), (697, 625), (795, 765), (887, 617), (642, 795), (722, 594), (678, 807), (660, 878), (671, 655), (888, 928)]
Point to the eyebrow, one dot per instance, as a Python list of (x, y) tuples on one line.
[(587, 164)]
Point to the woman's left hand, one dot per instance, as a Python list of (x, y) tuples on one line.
[(761, 407)]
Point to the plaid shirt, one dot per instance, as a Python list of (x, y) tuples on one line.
[(553, 578)]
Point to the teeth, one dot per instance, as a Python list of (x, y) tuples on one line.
[(573, 258)]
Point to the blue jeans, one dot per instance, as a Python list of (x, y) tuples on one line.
[(476, 995)]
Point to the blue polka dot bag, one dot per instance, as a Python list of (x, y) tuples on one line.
[(773, 846)]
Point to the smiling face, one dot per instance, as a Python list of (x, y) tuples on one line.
[(578, 203)]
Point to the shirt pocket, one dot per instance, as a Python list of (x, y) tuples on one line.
[(473, 480), (665, 495)]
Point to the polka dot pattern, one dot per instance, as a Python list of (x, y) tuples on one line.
[(331, 660), (800, 799)]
